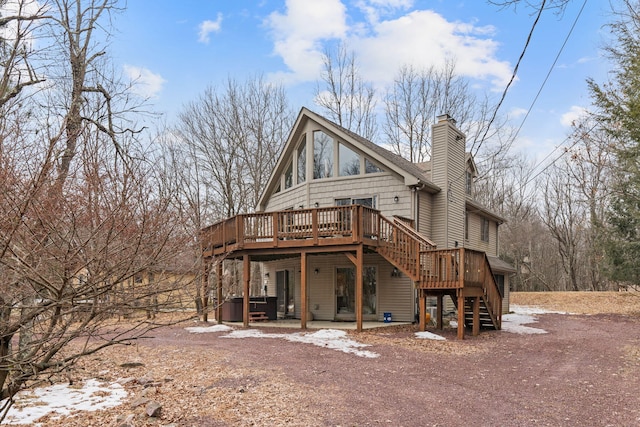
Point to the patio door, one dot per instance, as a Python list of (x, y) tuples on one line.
[(346, 293), (284, 294)]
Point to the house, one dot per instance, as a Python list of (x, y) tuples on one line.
[(346, 230)]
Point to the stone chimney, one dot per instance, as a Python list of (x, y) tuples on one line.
[(448, 172)]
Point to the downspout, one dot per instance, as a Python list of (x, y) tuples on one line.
[(416, 215)]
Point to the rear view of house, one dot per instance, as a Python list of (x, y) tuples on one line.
[(346, 230)]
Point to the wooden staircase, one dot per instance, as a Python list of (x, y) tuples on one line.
[(462, 273), (485, 316)]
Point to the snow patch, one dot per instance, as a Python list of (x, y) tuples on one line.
[(515, 322), (327, 338), (523, 315), (62, 400), (209, 329), (430, 336)]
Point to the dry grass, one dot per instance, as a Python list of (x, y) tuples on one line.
[(627, 303), (199, 387)]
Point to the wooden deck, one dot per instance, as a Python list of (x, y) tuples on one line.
[(462, 273)]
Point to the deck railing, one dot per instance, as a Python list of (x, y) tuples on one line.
[(416, 257), (354, 222)]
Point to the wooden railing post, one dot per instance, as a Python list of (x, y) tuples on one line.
[(275, 227), (224, 236), (240, 230), (314, 225)]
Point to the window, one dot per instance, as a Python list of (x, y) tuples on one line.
[(322, 155), (469, 182), (466, 226), (346, 291), (369, 167), (302, 161), (288, 176), (370, 202), (484, 230), (349, 161)]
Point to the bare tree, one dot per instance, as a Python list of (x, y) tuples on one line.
[(564, 217), (557, 5), (417, 97), (18, 24), (229, 140), (414, 101), (234, 136), (81, 214), (344, 96)]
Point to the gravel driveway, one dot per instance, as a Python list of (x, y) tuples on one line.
[(584, 371)]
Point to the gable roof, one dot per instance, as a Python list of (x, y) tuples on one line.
[(412, 174)]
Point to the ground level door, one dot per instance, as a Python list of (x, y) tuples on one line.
[(346, 293), (284, 294)]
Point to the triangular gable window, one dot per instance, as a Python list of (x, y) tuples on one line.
[(370, 167)]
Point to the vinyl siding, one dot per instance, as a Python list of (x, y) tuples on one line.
[(425, 209), (448, 172), (475, 240), (394, 294), (384, 186)]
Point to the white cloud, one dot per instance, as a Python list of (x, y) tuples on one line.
[(422, 38), (207, 27), (145, 83), (298, 34), (25, 8), (571, 116), (374, 9), (517, 113)]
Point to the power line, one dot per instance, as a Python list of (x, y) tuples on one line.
[(555, 61), (513, 75), (551, 68)]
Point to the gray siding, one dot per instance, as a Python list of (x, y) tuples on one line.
[(448, 172), (394, 294), (425, 212), (475, 240)]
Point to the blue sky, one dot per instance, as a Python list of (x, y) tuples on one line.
[(175, 49)]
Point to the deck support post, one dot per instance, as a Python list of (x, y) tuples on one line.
[(423, 309), (359, 285), (439, 312), (204, 298), (219, 293), (476, 316), (460, 314), (246, 262), (303, 290)]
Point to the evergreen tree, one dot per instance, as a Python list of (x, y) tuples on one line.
[(618, 101)]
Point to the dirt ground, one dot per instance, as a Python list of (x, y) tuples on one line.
[(585, 371)]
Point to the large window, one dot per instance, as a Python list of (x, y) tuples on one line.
[(322, 155), (346, 291), (484, 230), (288, 176), (349, 161), (370, 202), (302, 161), (370, 167)]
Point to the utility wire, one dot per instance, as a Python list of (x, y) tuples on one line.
[(513, 75), (555, 61), (551, 68)]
